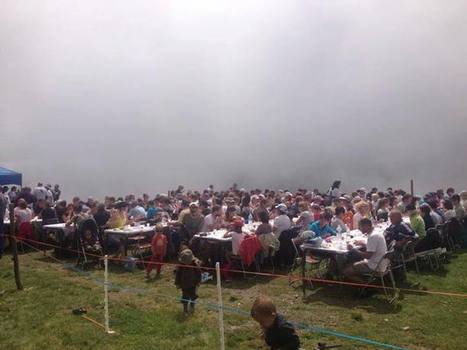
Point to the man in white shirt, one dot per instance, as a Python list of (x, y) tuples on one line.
[(213, 221), (282, 221), (49, 197), (376, 248), (39, 192)]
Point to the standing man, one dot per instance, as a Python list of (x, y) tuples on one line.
[(39, 192), (49, 197), (13, 194), (56, 192), (3, 205)]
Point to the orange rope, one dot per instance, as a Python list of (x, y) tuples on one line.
[(294, 277)]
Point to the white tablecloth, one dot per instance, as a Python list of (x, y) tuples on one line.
[(339, 246), (216, 235), (60, 226), (35, 220), (130, 230)]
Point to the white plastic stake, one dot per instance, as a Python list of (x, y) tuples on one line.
[(106, 297), (221, 306)]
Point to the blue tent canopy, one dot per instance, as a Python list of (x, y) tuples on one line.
[(10, 177)]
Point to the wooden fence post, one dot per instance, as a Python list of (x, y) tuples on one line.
[(14, 247)]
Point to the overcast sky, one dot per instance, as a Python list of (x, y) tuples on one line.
[(112, 97)]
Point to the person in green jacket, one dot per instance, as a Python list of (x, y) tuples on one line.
[(416, 221)]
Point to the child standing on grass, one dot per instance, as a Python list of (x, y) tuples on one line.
[(159, 250), (188, 278), (278, 333)]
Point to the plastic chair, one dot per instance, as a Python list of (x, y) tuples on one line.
[(377, 274), (303, 260), (406, 254)]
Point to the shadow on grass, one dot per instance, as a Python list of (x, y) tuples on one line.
[(426, 271), (250, 281), (350, 298)]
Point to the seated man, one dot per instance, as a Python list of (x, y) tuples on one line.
[(322, 227), (371, 254), (399, 231), (48, 214), (416, 221), (151, 212), (282, 221), (102, 215), (213, 221), (458, 207), (137, 212)]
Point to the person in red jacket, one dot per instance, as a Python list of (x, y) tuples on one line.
[(159, 250)]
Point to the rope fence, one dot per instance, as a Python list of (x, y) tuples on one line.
[(210, 305), (293, 277)]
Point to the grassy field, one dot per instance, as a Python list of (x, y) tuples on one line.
[(146, 314)]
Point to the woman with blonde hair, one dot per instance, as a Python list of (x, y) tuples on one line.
[(362, 211)]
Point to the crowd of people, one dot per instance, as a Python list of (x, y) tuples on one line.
[(189, 212), (182, 215)]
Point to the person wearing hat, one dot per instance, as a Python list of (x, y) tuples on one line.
[(188, 278), (282, 221), (193, 221), (316, 210)]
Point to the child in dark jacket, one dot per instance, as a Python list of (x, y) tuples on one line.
[(278, 333), (187, 278)]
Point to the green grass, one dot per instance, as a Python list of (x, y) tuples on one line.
[(149, 316)]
